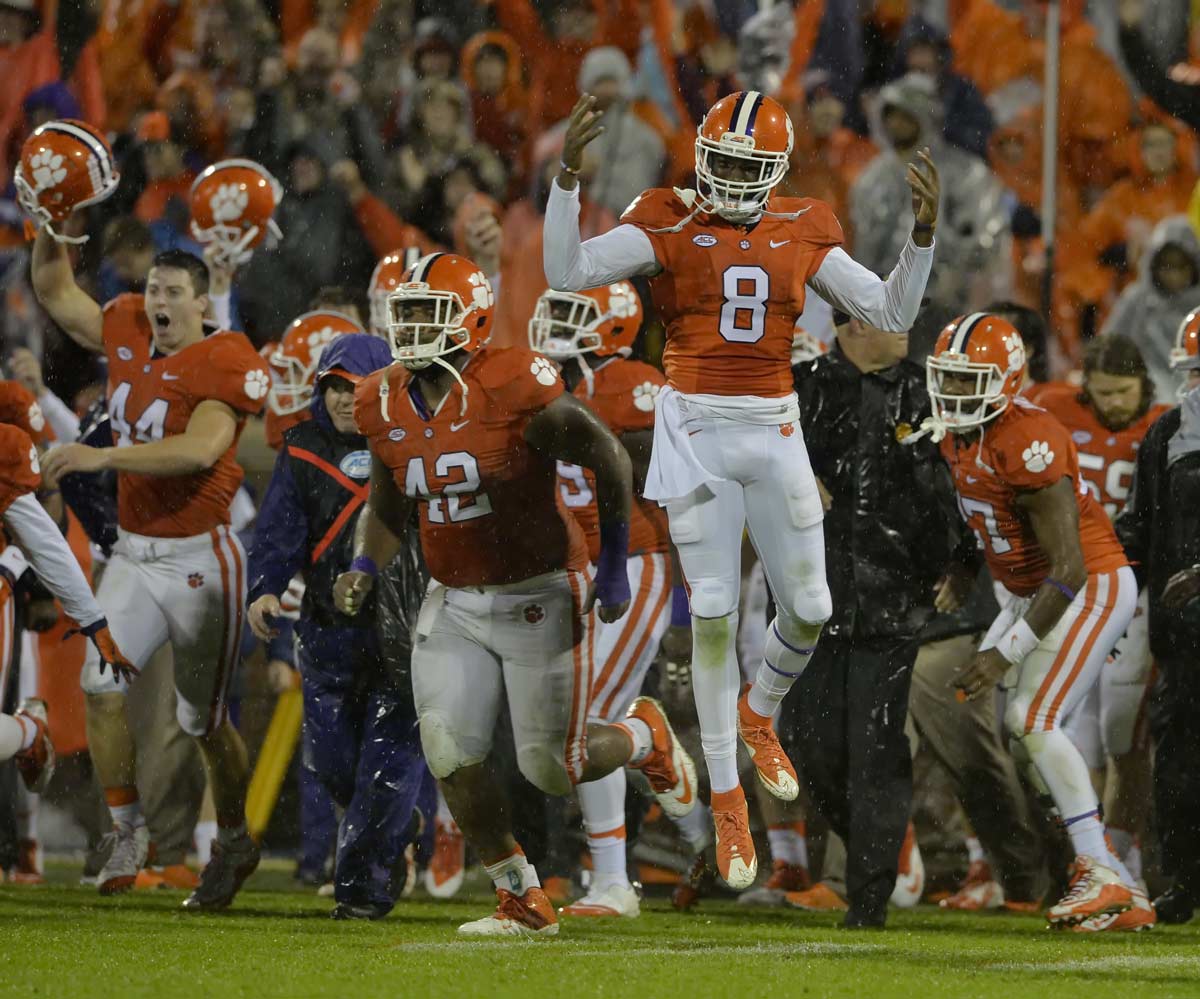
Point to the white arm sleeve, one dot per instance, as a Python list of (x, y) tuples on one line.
[(63, 422), (890, 304), (221, 308), (572, 265), (43, 544)]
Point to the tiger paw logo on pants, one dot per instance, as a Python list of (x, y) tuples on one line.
[(1037, 457)]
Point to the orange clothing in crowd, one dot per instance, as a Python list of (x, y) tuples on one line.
[(137, 41), (499, 119), (151, 204), (33, 64), (554, 63), (826, 168), (522, 279), (61, 658), (297, 16), (385, 230), (993, 48)]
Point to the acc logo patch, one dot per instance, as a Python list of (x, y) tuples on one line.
[(705, 239), (125, 354), (534, 613), (357, 464), (396, 434), (1080, 436)]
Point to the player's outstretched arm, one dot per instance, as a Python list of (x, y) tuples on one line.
[(890, 303), (570, 263), (209, 434), (378, 538), (71, 308), (567, 429)]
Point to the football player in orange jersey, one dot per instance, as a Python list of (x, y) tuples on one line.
[(470, 435), (177, 401), (24, 522), (590, 335), (729, 267), (1108, 416), (1065, 588)]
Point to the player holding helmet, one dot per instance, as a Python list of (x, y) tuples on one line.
[(1065, 588), (728, 269)]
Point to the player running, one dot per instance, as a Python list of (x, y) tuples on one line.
[(591, 334), (470, 434), (178, 398), (1066, 590), (729, 268)]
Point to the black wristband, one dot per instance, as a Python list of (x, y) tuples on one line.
[(924, 227)]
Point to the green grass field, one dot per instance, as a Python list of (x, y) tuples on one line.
[(65, 941)]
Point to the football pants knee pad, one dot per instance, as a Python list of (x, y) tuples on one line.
[(444, 752), (544, 768)]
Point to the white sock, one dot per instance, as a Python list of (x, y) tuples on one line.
[(975, 852), (514, 873), (1087, 837), (788, 843), (716, 683), (602, 803), (203, 836), (12, 736), (641, 737), (1127, 849), (696, 827), (128, 815), (787, 650)]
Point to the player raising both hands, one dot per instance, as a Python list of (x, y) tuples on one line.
[(728, 268)]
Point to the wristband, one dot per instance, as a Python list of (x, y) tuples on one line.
[(1016, 643), (98, 625), (567, 169), (612, 578), (681, 612), (365, 564), (924, 227), (1062, 588)]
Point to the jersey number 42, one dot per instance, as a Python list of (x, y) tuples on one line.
[(464, 500)]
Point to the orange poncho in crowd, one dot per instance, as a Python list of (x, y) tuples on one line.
[(136, 41), (499, 119)]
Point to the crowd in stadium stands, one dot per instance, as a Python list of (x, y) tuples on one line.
[(398, 128)]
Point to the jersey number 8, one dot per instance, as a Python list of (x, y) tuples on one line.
[(744, 309)]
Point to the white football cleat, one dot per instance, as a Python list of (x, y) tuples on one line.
[(130, 847), (1095, 890), (610, 901), (528, 915)]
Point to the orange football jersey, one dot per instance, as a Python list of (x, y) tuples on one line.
[(151, 396), (20, 472), (730, 295), (1024, 449), (1106, 457), (623, 398), (21, 409), (490, 509)]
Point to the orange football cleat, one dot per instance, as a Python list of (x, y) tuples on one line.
[(28, 868), (736, 860), (668, 767), (176, 877), (557, 889), (447, 866), (819, 898), (978, 891), (1095, 890), (774, 769), (528, 915), (784, 878), (1139, 916)]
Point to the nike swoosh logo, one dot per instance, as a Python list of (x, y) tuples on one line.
[(686, 797), (456, 427), (782, 242), (168, 377)]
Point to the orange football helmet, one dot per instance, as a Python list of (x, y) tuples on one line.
[(988, 351), (232, 205), (294, 362), (602, 321), (1185, 355), (751, 129), (64, 165), (385, 279), (459, 299)]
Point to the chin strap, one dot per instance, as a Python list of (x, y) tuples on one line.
[(589, 376), (442, 362), (697, 203)]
